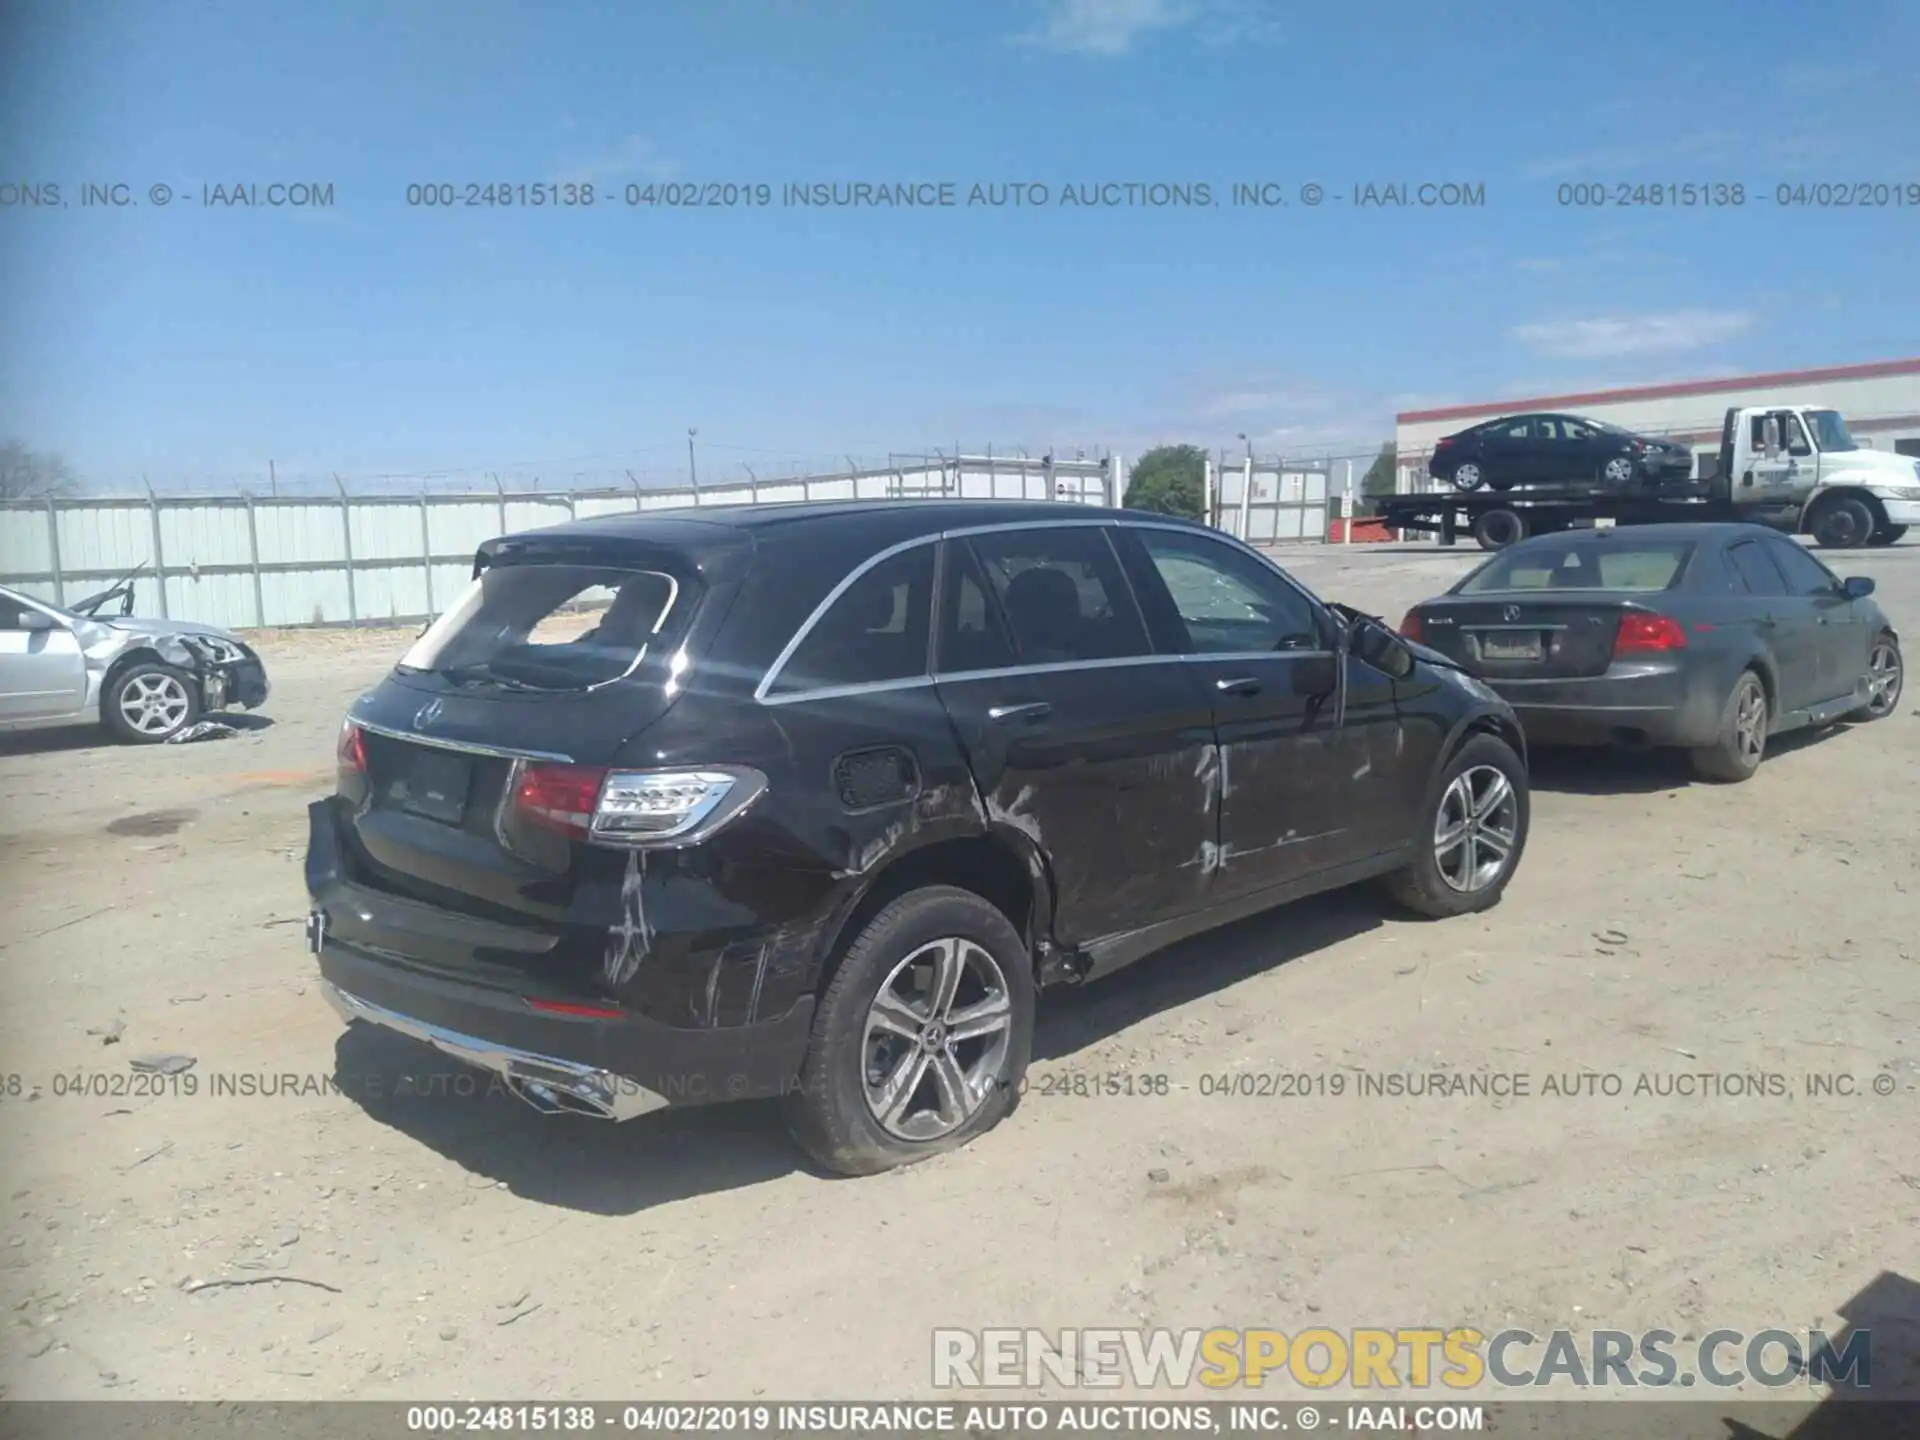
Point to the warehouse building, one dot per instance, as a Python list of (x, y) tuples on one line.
[(1881, 403)]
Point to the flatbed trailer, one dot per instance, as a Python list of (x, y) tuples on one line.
[(1499, 519)]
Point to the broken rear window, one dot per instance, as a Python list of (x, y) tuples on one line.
[(546, 627)]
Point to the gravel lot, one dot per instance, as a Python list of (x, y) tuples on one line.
[(437, 1245)]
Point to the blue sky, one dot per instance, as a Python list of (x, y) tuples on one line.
[(192, 344)]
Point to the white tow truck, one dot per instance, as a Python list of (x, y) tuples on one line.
[(1794, 467)]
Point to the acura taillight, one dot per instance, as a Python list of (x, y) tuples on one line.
[(1642, 634), (351, 752), (1410, 627), (632, 807)]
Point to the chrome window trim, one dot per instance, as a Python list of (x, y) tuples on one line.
[(847, 582), (760, 691), (469, 747)]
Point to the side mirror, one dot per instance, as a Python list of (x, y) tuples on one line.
[(36, 620), (1382, 649), (1857, 587)]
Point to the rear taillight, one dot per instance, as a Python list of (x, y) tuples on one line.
[(1641, 634), (632, 807), (1410, 627), (351, 752), (559, 797), (1443, 442)]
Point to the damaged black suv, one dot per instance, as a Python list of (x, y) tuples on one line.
[(810, 801)]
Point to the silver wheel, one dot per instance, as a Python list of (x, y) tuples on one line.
[(936, 1039), (1618, 470), (1476, 830), (1750, 724), (153, 704), (1884, 678), (1467, 476)]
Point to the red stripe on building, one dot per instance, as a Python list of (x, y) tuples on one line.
[(1870, 371)]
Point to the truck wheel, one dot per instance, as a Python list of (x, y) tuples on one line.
[(1743, 734), (922, 1039), (1842, 524), (1468, 476), (1887, 535), (1474, 831), (1497, 529), (1886, 676)]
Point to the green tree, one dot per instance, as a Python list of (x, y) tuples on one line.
[(1169, 480), (1381, 478)]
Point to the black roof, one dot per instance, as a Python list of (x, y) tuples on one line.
[(892, 520)]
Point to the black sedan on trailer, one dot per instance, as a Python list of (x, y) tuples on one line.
[(1557, 450), (1706, 637)]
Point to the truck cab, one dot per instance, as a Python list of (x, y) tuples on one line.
[(1797, 466)]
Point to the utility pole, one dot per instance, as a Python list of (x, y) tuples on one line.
[(273, 480), (693, 473)]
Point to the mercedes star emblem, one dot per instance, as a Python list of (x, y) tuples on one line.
[(426, 715)]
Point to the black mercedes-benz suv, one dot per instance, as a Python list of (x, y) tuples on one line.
[(810, 801)]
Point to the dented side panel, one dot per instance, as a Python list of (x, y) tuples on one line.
[(1115, 783)]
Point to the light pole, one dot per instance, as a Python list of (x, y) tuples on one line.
[(693, 473)]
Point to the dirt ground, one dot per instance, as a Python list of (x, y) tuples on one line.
[(435, 1245)]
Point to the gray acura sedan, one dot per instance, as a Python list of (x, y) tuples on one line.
[(1708, 637)]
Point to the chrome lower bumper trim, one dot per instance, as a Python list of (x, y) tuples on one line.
[(548, 1084)]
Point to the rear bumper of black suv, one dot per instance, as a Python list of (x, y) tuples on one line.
[(386, 962), (612, 1069)]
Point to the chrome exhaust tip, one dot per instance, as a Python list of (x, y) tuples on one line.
[(553, 1094), (551, 1086)]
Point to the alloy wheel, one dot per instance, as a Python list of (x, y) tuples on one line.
[(1477, 828), (153, 704), (1618, 470), (1467, 477), (1884, 678), (1750, 724), (936, 1039)]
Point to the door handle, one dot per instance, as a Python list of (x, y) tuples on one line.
[(1030, 711), (1239, 685)]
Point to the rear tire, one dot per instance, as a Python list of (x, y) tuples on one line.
[(1497, 529), (1843, 524), (1468, 809), (1744, 722), (861, 1106), (1886, 678), (148, 703)]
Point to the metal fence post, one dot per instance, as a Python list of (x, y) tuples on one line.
[(1246, 500), (159, 558), (426, 551), (346, 542), (53, 551), (253, 559), (503, 502)]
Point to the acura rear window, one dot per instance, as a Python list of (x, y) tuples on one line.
[(546, 627), (1584, 564)]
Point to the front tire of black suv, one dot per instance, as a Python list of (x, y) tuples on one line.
[(922, 1038), (1472, 834)]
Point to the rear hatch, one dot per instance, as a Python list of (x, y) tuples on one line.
[(465, 774)]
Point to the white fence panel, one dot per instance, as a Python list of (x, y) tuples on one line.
[(106, 540), (219, 599), (536, 514), (26, 542), (390, 531), (297, 533), (459, 527), (205, 535), (591, 507), (391, 592), (303, 597)]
